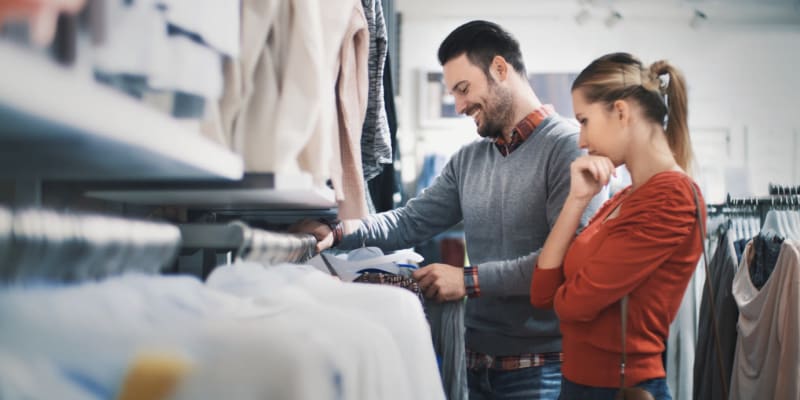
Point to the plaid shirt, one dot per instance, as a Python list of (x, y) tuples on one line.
[(521, 132), (507, 363), (524, 129)]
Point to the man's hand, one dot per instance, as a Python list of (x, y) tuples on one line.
[(320, 231), (441, 282)]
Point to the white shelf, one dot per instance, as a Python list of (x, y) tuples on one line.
[(252, 192), (58, 124)]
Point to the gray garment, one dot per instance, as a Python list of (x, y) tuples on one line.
[(447, 328), (767, 361), (508, 206), (722, 267), (376, 145)]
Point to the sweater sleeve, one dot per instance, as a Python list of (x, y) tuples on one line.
[(651, 225), (544, 285), (513, 277), (545, 282), (435, 210)]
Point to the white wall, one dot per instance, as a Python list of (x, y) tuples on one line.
[(741, 67)]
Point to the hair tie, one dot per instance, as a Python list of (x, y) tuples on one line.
[(664, 84)]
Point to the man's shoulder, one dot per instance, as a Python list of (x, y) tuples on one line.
[(558, 128)]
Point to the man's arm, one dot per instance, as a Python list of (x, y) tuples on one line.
[(436, 209)]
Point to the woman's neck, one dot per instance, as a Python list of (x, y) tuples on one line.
[(650, 156)]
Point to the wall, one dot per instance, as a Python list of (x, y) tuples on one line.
[(741, 69)]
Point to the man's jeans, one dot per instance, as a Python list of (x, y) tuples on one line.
[(525, 383), (573, 391)]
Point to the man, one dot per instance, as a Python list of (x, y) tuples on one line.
[(508, 189)]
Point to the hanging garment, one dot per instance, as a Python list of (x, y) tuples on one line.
[(395, 309), (707, 383), (272, 102), (376, 146), (767, 361), (681, 344), (351, 107), (447, 328), (386, 189), (176, 315)]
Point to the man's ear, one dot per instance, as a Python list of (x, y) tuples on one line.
[(499, 68)]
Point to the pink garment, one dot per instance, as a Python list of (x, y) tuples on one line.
[(351, 99), (766, 364)]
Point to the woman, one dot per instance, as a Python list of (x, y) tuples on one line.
[(644, 243)]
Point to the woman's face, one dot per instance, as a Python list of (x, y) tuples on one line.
[(601, 130)]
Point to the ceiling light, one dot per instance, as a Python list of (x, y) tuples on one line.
[(613, 18), (699, 19)]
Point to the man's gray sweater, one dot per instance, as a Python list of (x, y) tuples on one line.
[(508, 206)]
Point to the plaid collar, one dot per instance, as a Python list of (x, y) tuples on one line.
[(524, 129)]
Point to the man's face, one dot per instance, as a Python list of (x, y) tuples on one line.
[(487, 101)]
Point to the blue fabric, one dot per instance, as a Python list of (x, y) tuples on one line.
[(521, 384), (766, 251), (573, 391)]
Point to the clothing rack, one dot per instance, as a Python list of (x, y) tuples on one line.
[(783, 190), (250, 244), (43, 245)]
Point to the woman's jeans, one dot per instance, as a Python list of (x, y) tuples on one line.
[(573, 391)]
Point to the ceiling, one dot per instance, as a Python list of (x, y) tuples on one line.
[(724, 11)]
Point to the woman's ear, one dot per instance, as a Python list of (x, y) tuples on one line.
[(621, 111)]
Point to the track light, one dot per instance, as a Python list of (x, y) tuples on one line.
[(698, 19), (613, 18)]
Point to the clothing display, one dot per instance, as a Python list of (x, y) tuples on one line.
[(274, 199), (519, 207), (395, 309), (649, 252), (767, 358), (302, 69), (355, 355)]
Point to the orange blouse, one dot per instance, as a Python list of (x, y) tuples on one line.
[(649, 251)]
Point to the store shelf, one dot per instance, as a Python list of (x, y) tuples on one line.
[(58, 124), (253, 192)]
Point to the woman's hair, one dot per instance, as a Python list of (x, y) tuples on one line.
[(660, 89)]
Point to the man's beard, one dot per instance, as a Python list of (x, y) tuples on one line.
[(497, 113)]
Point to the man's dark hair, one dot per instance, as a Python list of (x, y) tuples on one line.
[(481, 41)]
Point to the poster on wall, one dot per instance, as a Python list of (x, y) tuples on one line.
[(437, 106)]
